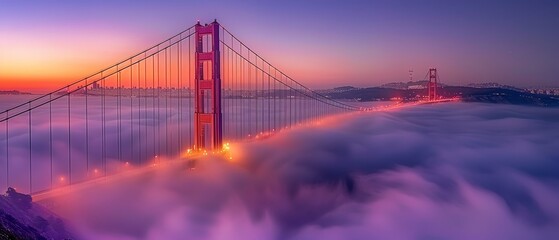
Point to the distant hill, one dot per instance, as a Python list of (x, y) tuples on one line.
[(344, 88), (13, 92), (406, 85), (422, 84), (468, 94), (494, 85)]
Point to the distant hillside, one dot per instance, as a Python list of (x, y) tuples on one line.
[(469, 94), (494, 85), (13, 92), (406, 85), (422, 84), (344, 88)]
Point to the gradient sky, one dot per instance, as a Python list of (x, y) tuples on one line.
[(321, 43)]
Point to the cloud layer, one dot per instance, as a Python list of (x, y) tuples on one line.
[(97, 136), (445, 171)]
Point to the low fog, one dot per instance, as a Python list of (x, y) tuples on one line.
[(443, 171), (97, 136)]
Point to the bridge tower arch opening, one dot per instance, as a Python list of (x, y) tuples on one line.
[(432, 85), (207, 112)]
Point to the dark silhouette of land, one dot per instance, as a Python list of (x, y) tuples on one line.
[(467, 94)]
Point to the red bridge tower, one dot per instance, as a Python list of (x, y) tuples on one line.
[(432, 84), (207, 113)]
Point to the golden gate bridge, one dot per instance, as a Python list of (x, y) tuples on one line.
[(189, 92)]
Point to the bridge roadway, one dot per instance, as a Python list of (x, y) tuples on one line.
[(45, 197)]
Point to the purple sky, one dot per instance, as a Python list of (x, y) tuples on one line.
[(320, 43)]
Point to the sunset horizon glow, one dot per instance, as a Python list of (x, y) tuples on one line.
[(46, 45)]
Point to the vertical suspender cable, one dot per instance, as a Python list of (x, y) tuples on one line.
[(224, 85), (145, 108), (119, 80), (238, 97), (190, 110), (231, 94), (166, 108), (50, 138), (153, 105), (237, 88), (262, 95), (284, 104), (120, 88), (103, 134), (242, 92), (139, 95), (300, 100), (291, 108), (249, 86), (131, 124), (86, 130), (7, 151), (275, 102), (30, 150), (69, 141), (257, 96), (158, 108), (269, 101), (179, 89)]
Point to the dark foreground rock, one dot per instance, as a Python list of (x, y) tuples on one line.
[(20, 218)]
